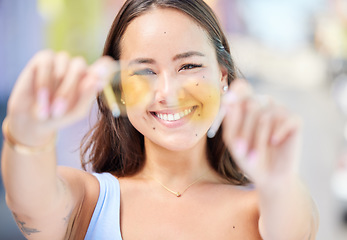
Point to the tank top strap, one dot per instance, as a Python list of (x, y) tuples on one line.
[(105, 222)]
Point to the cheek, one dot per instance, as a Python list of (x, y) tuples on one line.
[(136, 91), (207, 93), (138, 119)]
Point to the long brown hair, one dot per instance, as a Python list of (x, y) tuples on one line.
[(113, 144)]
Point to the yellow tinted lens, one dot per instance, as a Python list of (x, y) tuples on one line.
[(136, 88)]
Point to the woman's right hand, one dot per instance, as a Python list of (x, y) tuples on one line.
[(54, 91)]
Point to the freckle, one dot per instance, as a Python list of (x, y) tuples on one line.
[(199, 114), (164, 32), (203, 76), (234, 227), (197, 84), (196, 134), (154, 128)]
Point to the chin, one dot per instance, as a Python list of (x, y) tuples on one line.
[(178, 143)]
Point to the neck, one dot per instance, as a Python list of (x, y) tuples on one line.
[(176, 168)]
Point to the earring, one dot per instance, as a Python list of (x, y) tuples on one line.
[(122, 101), (225, 88)]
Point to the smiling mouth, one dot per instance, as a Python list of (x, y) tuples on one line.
[(174, 116)]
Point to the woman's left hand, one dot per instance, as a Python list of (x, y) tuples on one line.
[(261, 135)]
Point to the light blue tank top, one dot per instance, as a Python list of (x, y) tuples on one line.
[(105, 222)]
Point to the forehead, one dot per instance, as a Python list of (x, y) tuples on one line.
[(164, 29)]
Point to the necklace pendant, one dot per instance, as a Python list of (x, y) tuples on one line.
[(178, 194)]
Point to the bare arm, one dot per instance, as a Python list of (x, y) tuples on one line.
[(34, 192), (265, 142), (53, 91), (288, 211)]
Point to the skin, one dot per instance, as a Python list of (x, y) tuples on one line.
[(182, 163), (174, 77), (58, 91)]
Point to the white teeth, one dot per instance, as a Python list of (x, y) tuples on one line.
[(174, 117), (177, 116)]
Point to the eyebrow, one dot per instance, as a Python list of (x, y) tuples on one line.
[(142, 60), (188, 54), (175, 58)]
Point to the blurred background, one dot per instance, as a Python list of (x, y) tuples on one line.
[(294, 50)]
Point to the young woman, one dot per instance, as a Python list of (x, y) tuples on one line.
[(158, 175)]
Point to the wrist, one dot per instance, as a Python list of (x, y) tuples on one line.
[(37, 145)]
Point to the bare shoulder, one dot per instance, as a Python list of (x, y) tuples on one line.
[(82, 185), (241, 207), (248, 198), (84, 188), (79, 179), (243, 194), (240, 202)]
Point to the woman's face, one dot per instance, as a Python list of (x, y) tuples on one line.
[(180, 98)]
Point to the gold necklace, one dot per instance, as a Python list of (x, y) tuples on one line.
[(178, 194)]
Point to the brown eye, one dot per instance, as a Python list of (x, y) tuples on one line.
[(190, 66)]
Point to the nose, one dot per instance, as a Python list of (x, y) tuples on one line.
[(167, 89)]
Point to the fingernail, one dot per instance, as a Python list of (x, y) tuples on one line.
[(59, 107), (241, 148), (43, 104)]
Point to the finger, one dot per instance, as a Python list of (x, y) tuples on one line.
[(232, 123), (241, 88), (65, 95), (61, 64), (25, 85), (286, 128), (102, 71), (44, 68), (43, 65), (94, 81), (263, 133), (251, 114), (108, 68), (87, 96), (264, 101)]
